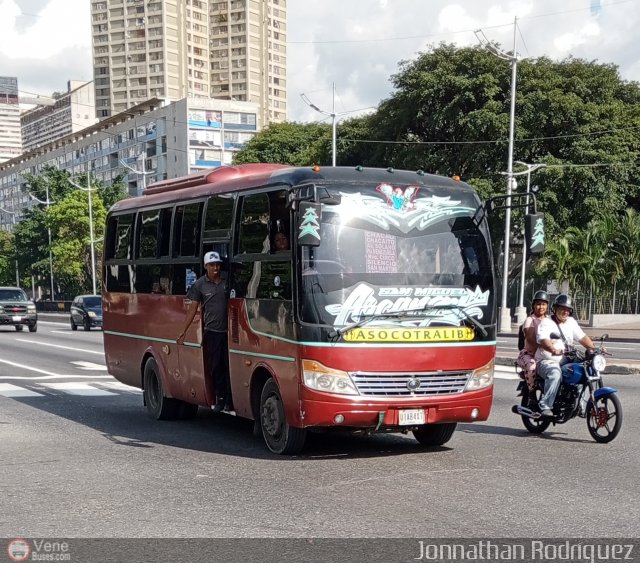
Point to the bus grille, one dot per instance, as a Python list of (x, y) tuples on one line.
[(400, 384)]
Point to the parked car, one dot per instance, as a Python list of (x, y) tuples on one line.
[(17, 309), (86, 311)]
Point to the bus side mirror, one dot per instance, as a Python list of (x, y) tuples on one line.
[(309, 224), (534, 233)]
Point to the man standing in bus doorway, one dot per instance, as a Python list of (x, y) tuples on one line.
[(209, 292)]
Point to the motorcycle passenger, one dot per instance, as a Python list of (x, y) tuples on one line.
[(526, 358), (550, 354)]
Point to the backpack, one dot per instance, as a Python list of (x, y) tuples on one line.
[(521, 337)]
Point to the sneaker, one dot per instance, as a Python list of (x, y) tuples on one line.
[(228, 407), (546, 412), (219, 406)]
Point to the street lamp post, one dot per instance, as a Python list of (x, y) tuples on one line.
[(505, 313), (48, 202), (13, 222), (521, 312), (144, 172), (333, 116), (89, 189)]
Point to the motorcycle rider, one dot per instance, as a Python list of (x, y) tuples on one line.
[(550, 354), (526, 358)]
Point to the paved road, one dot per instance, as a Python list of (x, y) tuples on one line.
[(80, 458)]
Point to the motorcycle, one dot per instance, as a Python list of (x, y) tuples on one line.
[(581, 394)]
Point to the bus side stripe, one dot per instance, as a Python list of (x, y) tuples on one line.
[(152, 338), (270, 356)]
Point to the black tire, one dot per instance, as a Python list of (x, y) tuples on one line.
[(74, 326), (435, 434), (605, 420), (87, 325), (187, 411), (533, 425), (278, 435), (158, 406), (33, 327), (19, 328)]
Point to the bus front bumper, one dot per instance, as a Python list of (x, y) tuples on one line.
[(326, 411)]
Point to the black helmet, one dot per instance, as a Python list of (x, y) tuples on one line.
[(563, 300), (541, 296)]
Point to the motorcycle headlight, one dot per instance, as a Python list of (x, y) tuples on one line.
[(598, 362), (480, 378), (321, 378)]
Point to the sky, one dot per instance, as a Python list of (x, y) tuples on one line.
[(354, 44)]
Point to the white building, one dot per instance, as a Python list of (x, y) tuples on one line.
[(152, 141), (10, 139), (71, 112), (231, 49)]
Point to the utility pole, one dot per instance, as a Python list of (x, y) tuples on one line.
[(505, 313), (48, 202), (89, 189), (333, 117), (13, 223), (521, 312)]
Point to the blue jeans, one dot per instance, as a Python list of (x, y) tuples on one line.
[(551, 372)]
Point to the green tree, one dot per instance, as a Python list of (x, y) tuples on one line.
[(67, 217), (297, 144), (7, 259)]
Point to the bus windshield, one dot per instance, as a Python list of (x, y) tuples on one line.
[(389, 249)]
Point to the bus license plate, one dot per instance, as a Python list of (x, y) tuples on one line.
[(410, 417), (16, 319)]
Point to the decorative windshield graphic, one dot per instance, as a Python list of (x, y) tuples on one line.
[(431, 305), (397, 197), (400, 208)]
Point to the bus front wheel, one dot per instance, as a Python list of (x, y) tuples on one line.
[(434, 434), (280, 437), (159, 406)]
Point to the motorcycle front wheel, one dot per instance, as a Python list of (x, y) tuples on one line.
[(533, 425), (604, 418)]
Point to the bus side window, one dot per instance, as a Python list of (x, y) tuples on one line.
[(254, 225)]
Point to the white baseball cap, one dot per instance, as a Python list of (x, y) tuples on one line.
[(211, 258)]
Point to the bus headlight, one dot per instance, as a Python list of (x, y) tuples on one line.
[(480, 378), (321, 378)]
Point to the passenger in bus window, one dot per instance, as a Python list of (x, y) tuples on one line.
[(280, 242), (210, 293)]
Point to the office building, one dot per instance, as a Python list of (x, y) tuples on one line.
[(151, 141), (10, 138), (73, 111), (231, 49)]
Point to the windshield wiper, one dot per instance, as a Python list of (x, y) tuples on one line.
[(467, 316), (364, 319)]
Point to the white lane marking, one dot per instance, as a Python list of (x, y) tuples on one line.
[(121, 386), (29, 368), (77, 389), (89, 365), (101, 353), (55, 376), (8, 390), (505, 372)]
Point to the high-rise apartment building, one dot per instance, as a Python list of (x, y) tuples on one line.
[(73, 111), (10, 137), (172, 49)]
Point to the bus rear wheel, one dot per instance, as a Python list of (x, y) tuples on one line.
[(158, 405), (278, 435), (434, 434)]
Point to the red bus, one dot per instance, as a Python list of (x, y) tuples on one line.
[(381, 317)]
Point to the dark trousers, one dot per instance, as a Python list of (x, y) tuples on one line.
[(216, 350)]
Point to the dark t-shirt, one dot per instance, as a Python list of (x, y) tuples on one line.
[(213, 298)]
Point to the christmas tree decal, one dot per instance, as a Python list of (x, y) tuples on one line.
[(310, 225)]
